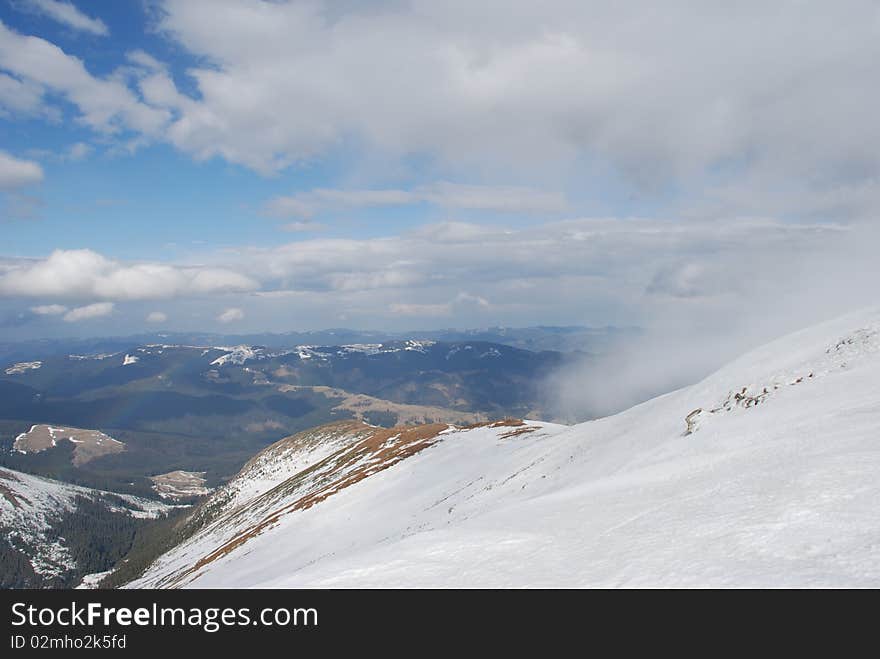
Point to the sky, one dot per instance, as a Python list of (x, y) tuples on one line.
[(709, 171)]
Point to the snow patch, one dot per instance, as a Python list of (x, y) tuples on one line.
[(30, 506), (237, 355), (23, 367)]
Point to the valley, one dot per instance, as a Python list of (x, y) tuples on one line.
[(54, 533), (131, 416)]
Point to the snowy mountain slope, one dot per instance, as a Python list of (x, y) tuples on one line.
[(286, 458), (772, 482), (33, 509), (304, 471)]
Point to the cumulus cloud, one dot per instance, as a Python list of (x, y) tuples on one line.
[(157, 317), (144, 60), (23, 97), (230, 315), (730, 103), (625, 269), (659, 92), (83, 273), (49, 309), (17, 173), (106, 105), (67, 14), (89, 311)]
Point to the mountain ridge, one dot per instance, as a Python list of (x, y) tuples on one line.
[(776, 492), (54, 533), (210, 408)]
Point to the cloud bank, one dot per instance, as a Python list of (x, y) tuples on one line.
[(85, 274), (730, 99)]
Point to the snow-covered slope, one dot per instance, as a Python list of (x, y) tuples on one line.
[(764, 474), (31, 510)]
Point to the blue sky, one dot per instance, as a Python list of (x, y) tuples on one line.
[(244, 166), (110, 196)]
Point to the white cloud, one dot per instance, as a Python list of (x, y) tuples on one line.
[(16, 173), (230, 315), (49, 309), (96, 310), (23, 97), (69, 15), (83, 273), (144, 60), (658, 93), (722, 278), (762, 110), (157, 317), (464, 299), (450, 195), (105, 105), (616, 270), (633, 260), (687, 279), (696, 99)]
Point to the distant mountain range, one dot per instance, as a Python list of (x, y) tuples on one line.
[(559, 339), (209, 407)]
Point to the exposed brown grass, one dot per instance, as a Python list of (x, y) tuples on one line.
[(362, 404), (519, 431), (87, 444), (377, 449), (501, 423), (381, 449)]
